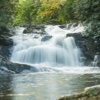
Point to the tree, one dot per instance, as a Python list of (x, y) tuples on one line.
[(26, 12), (66, 12), (49, 11), (88, 12), (6, 11)]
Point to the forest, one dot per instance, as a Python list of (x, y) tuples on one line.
[(35, 12)]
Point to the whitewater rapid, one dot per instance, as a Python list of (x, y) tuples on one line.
[(59, 50), (51, 52)]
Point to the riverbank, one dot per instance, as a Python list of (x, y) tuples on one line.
[(90, 93)]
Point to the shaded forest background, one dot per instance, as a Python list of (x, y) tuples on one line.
[(34, 12)]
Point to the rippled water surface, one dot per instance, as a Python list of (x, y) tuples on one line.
[(44, 86)]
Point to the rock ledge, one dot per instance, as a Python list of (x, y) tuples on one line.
[(90, 93)]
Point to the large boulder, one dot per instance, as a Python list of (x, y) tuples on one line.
[(9, 66), (90, 93), (4, 37), (5, 40), (4, 31), (75, 35), (5, 51), (87, 45)]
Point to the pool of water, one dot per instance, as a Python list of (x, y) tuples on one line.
[(44, 86)]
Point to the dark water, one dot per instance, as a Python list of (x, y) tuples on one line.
[(44, 86)]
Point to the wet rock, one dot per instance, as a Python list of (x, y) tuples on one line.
[(90, 93), (62, 26), (87, 45), (39, 29), (75, 35), (97, 57), (75, 24), (96, 61), (97, 38), (5, 41), (5, 51), (4, 31), (28, 30), (4, 37), (9, 66), (5, 44), (71, 25), (4, 70), (46, 38)]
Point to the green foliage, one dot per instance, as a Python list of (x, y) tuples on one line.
[(66, 13), (6, 11), (93, 28), (44, 12), (26, 12), (49, 11), (88, 11)]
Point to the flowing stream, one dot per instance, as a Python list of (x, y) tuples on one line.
[(59, 61)]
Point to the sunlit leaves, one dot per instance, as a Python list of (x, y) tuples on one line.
[(49, 10)]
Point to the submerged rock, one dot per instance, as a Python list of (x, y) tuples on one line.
[(46, 38), (90, 93)]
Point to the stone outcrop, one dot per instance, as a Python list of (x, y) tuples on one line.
[(8, 66), (4, 31), (5, 51), (90, 93), (5, 41), (96, 61), (88, 46), (38, 29)]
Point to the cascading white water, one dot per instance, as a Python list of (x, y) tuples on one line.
[(56, 51)]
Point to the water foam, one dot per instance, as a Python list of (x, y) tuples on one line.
[(57, 51)]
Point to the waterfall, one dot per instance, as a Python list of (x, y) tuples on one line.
[(57, 50)]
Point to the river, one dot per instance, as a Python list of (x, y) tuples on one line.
[(60, 65), (44, 86)]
